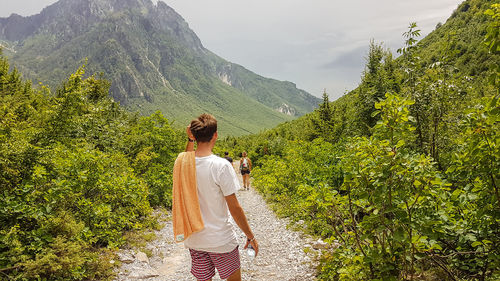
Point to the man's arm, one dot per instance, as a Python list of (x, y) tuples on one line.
[(241, 220), (190, 144)]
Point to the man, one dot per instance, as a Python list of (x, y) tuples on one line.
[(215, 246), (226, 156)]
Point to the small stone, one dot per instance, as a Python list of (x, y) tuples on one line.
[(142, 257), (335, 244), (320, 244), (125, 257), (144, 274)]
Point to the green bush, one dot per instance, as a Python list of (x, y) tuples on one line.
[(76, 172)]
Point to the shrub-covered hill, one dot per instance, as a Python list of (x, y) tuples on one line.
[(76, 172), (154, 61), (400, 176), (455, 53)]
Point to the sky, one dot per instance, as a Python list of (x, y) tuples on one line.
[(316, 44)]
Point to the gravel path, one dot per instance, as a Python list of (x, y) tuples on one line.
[(281, 255)]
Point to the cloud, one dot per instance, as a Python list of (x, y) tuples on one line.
[(315, 44), (23, 7), (351, 59)]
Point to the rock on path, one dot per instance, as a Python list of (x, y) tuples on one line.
[(281, 251)]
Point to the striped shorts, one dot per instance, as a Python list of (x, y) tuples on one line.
[(203, 264)]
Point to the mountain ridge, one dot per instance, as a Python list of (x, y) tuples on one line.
[(154, 60)]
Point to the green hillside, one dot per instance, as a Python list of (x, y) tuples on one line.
[(399, 176), (457, 47), (154, 61)]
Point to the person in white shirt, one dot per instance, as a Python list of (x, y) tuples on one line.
[(215, 246)]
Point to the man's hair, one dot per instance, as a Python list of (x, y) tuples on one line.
[(204, 127), (226, 153)]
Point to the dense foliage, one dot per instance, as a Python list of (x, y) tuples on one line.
[(401, 174), (76, 171)]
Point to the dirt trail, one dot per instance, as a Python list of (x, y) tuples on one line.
[(281, 255)]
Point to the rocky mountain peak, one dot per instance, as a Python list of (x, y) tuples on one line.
[(70, 18)]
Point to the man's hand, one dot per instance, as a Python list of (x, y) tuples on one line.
[(254, 244)]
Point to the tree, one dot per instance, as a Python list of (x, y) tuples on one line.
[(324, 122), (378, 79)]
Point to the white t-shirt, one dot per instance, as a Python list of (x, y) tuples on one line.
[(215, 178)]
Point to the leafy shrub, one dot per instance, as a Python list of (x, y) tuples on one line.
[(76, 171), (302, 182)]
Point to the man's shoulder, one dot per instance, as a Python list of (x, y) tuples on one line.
[(220, 165), (219, 161)]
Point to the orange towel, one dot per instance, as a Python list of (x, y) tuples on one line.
[(186, 213)]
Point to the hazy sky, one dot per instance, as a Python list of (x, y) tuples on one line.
[(317, 44)]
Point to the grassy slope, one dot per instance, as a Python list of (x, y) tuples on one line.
[(137, 65)]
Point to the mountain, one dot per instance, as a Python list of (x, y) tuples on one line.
[(153, 59)]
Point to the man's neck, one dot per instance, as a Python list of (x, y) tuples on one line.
[(203, 149)]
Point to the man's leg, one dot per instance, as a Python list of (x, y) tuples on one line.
[(202, 266), (236, 276), (228, 264)]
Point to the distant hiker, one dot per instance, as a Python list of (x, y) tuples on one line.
[(226, 156), (245, 168), (212, 240)]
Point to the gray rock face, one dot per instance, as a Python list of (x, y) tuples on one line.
[(71, 18), (286, 109)]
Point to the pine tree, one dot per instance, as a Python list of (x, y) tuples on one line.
[(324, 124), (378, 79)]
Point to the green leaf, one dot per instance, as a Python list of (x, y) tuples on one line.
[(477, 243), (400, 143), (399, 234), (470, 237)]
